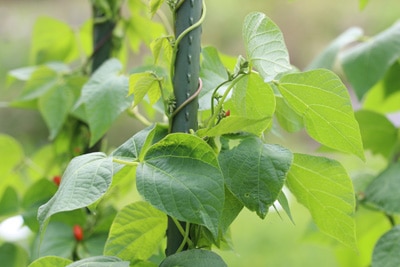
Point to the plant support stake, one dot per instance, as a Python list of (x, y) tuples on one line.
[(186, 84)]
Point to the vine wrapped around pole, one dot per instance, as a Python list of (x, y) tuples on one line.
[(186, 84)]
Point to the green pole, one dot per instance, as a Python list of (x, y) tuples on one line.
[(185, 83)]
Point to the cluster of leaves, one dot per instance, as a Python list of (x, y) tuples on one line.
[(204, 178), (372, 66)]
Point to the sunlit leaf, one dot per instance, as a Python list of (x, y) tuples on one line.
[(144, 83), (324, 103), (182, 168), (325, 189), (136, 232), (265, 46)]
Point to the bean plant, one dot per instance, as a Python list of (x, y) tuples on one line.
[(168, 195)]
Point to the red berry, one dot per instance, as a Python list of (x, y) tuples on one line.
[(78, 232), (57, 180), (228, 113)]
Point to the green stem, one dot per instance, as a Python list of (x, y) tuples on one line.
[(130, 163)]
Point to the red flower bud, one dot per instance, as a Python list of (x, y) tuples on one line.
[(78, 232), (228, 113), (57, 180)]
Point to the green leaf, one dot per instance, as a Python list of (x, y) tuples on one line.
[(100, 261), (382, 50), (155, 5), (53, 40), (327, 58), (387, 249), (377, 132), (162, 49), (232, 208), (377, 99), (12, 255), (325, 189), (85, 180), (105, 98), (50, 261), (194, 257), (265, 46), (180, 175), (42, 80), (54, 106), (136, 232), (9, 202), (287, 117), (324, 103), (144, 83), (11, 153), (285, 205), (212, 73), (381, 191), (362, 4), (255, 172)]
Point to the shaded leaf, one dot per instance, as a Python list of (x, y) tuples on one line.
[(325, 189), (324, 103), (100, 261), (367, 63), (9, 202), (387, 249), (287, 117), (194, 257), (380, 192), (136, 232), (265, 47), (182, 168), (12, 255), (255, 172)]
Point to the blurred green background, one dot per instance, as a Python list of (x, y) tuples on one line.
[(308, 26)]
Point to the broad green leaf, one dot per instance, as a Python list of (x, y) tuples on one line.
[(324, 103), (54, 106), (93, 245), (42, 80), (62, 246), (326, 59), (9, 203), (22, 74), (377, 132), (367, 63), (144, 83), (265, 46), (382, 191), (212, 73), (12, 255), (105, 98), (52, 40), (11, 153), (100, 261), (325, 189), (155, 5), (136, 232), (50, 261), (180, 175), (85, 180), (387, 249), (194, 257), (255, 172), (287, 118), (232, 208)]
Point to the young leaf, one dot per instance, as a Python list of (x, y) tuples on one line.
[(194, 257), (387, 248), (383, 50), (377, 132), (324, 188), (380, 192), (144, 83), (85, 180), (100, 261), (53, 40), (327, 58), (324, 103), (180, 175), (265, 47), (255, 172), (104, 96), (136, 232), (50, 261)]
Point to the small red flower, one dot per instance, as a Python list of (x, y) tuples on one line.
[(57, 180), (228, 113), (78, 232)]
